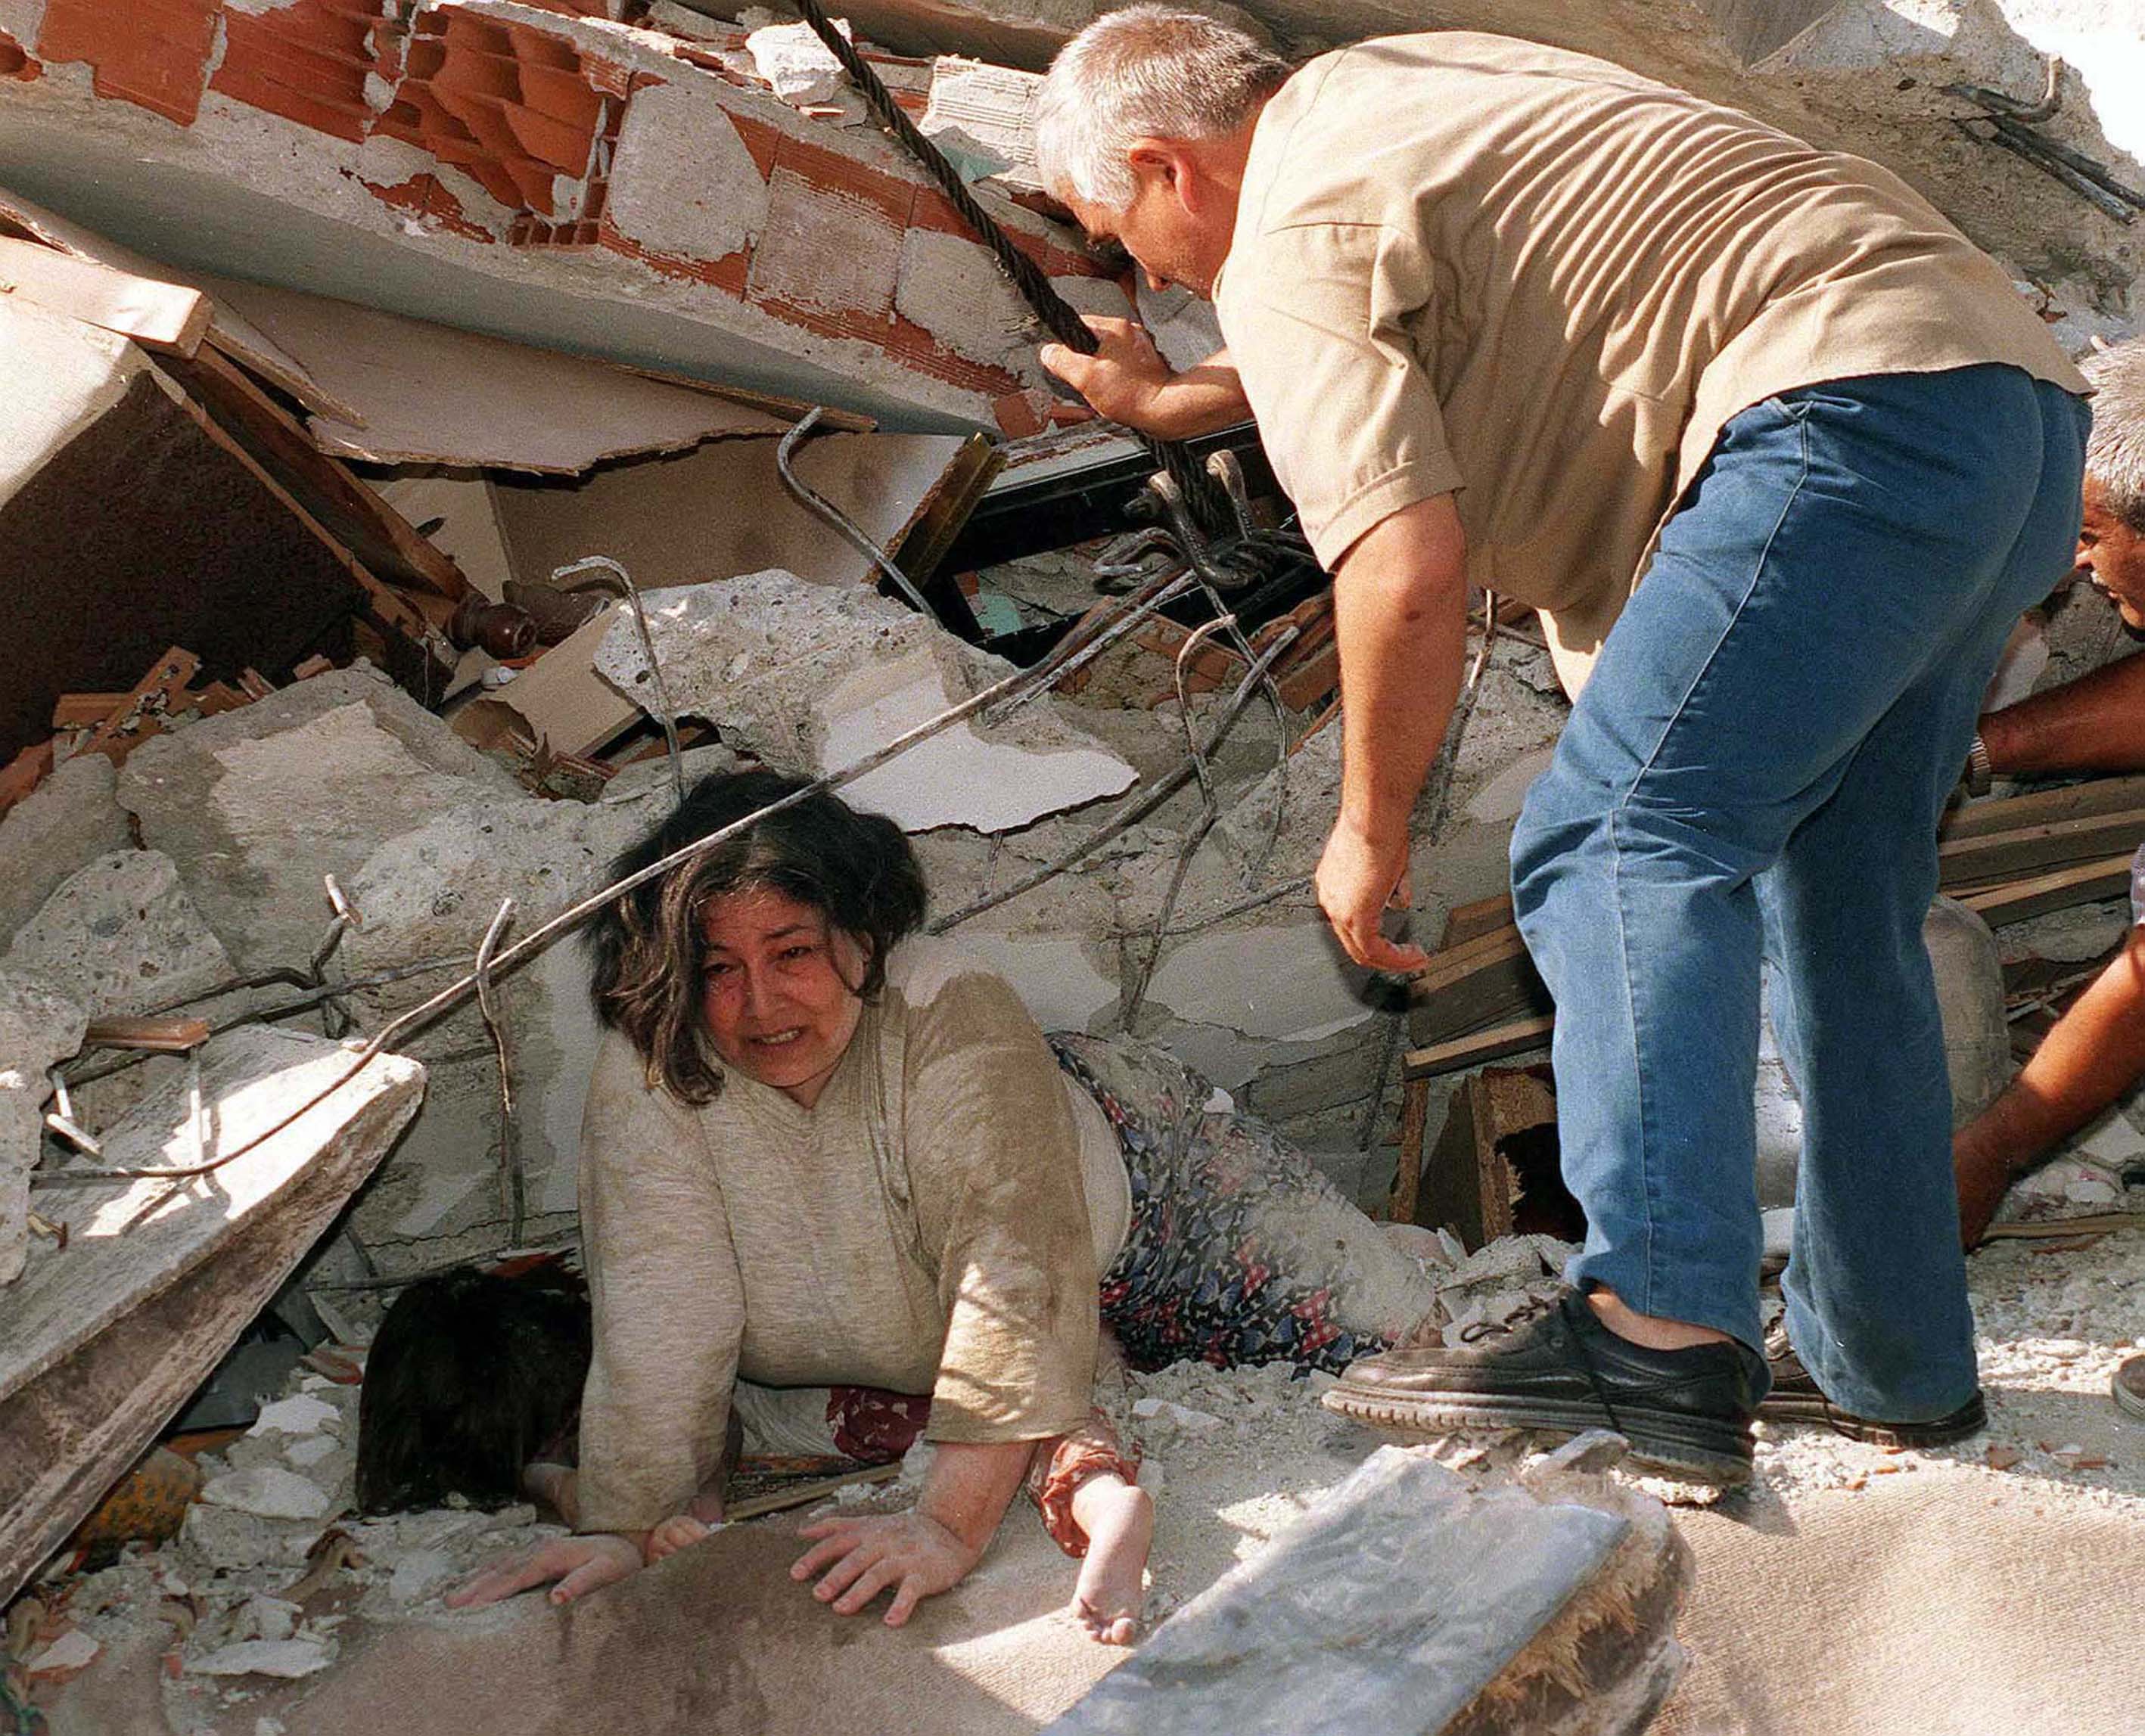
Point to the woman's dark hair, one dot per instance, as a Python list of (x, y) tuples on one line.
[(855, 869)]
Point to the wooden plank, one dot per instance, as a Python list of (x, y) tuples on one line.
[(1471, 921), (172, 1034), (1469, 1184), (103, 1342), (1489, 979), (136, 720), (85, 711), (355, 513), (2043, 807), (1407, 1170), (1981, 861), (2063, 889), (158, 315), (24, 772), (1461, 1052)]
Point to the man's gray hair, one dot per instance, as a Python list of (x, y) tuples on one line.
[(2115, 450), (1148, 71)]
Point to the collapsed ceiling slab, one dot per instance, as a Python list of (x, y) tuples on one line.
[(555, 179)]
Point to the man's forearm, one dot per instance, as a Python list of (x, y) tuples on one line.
[(2094, 1053), (2095, 724), (1400, 626)]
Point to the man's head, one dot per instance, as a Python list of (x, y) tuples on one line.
[(2111, 546), (1142, 128)]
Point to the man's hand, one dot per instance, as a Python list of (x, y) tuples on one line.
[(580, 1565), (918, 1557), (1356, 881), (1127, 381)]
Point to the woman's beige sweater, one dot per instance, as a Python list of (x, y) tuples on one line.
[(925, 1226)]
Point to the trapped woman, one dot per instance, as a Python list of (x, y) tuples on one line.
[(834, 1177)]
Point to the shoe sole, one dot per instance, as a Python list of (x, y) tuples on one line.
[(1969, 1421), (1695, 1448)]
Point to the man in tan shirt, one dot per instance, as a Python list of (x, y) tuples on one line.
[(1523, 319)]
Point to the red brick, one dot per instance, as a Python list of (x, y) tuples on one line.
[(152, 52)]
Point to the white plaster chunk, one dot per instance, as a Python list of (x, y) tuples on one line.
[(121, 935), (308, 1450), (956, 778), (420, 1573), (300, 1413), (74, 1650), (811, 678), (63, 376), (682, 183), (796, 62), (984, 116), (268, 1491), (286, 1659), (1289, 983)]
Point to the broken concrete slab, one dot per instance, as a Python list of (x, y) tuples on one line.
[(490, 163), (1288, 982), (1409, 1601), (121, 935), (38, 1026), (102, 1343), (427, 394), (812, 677), (257, 805), (70, 819)]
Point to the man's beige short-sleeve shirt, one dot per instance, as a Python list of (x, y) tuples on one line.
[(1467, 262)]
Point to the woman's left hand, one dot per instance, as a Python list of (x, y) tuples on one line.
[(862, 1556)]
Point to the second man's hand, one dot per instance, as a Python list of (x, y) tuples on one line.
[(1127, 381)]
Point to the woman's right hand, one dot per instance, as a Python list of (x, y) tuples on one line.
[(580, 1565)]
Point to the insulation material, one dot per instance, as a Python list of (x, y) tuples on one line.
[(426, 394)]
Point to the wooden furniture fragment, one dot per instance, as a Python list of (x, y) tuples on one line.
[(103, 1341), (1469, 1183)]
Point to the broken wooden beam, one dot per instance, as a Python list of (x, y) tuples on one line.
[(1983, 859), (1486, 979), (1493, 1044), (102, 1342), (2086, 883), (165, 316), (1409, 1602)]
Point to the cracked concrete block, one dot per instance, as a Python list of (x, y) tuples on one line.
[(69, 819), (123, 935), (1410, 1600), (811, 678), (257, 805), (1054, 976), (1288, 982), (38, 1026)]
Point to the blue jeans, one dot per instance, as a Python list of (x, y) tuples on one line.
[(1756, 767)]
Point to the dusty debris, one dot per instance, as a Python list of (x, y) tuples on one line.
[(811, 678), (39, 1025), (124, 937)]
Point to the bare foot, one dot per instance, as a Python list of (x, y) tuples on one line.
[(1118, 1518), (681, 1530)]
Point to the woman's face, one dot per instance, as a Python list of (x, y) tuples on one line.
[(776, 990)]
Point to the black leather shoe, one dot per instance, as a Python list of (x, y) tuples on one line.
[(1685, 1412), (1796, 1398)]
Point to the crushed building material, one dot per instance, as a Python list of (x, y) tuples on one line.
[(1407, 1600), (810, 678), (122, 933), (543, 175), (69, 819), (426, 394), (39, 1025), (104, 1339)]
